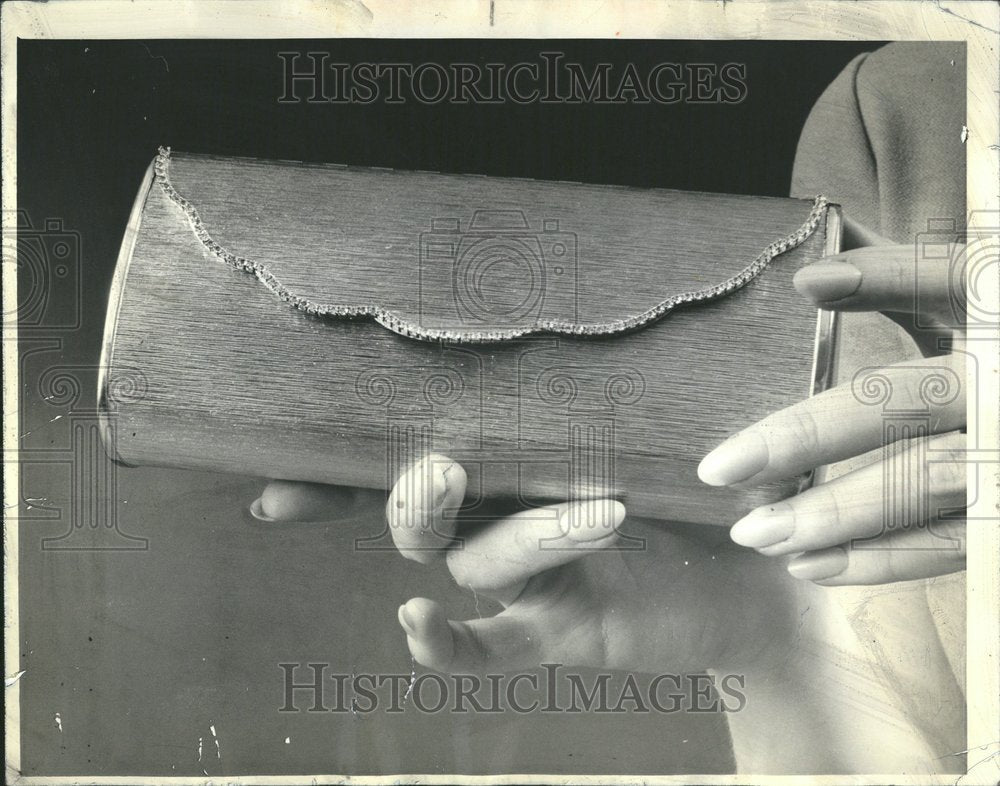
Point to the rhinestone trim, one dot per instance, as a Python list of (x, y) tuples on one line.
[(395, 323)]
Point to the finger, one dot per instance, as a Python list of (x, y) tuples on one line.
[(927, 478), (289, 501), (422, 505), (510, 551), (857, 235), (502, 643), (839, 423), (932, 334), (920, 553), (885, 278)]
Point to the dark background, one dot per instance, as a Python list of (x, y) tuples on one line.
[(140, 652)]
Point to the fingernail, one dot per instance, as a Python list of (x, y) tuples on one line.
[(430, 499), (257, 511), (764, 527), (819, 565), (421, 491), (738, 458), (827, 281), (592, 520), (406, 621)]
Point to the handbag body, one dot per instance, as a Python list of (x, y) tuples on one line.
[(560, 340)]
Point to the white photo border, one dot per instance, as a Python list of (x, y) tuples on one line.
[(975, 22)]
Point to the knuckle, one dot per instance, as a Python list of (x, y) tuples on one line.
[(891, 564), (947, 467), (800, 429), (526, 541), (466, 569), (946, 476), (834, 518)]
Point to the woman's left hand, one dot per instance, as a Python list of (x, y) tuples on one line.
[(582, 585), (901, 517)]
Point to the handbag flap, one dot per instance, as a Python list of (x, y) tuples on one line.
[(474, 258)]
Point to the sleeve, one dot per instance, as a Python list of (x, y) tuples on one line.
[(834, 156), (886, 139)]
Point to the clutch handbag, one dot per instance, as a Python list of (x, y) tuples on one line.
[(560, 340)]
